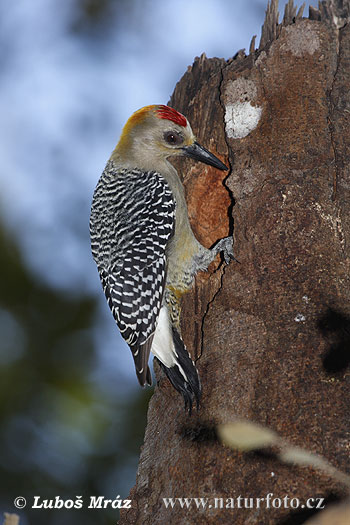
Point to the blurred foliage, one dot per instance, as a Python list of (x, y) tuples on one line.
[(60, 434), (97, 17), (93, 15)]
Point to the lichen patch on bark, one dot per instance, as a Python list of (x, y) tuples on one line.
[(301, 39), (242, 114)]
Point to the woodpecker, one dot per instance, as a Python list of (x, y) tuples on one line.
[(143, 245)]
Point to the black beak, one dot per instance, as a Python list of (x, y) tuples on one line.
[(197, 152)]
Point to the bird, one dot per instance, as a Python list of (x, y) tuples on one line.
[(143, 245)]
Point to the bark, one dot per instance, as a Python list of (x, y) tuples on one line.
[(271, 334)]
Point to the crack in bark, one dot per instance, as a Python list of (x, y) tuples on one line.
[(230, 171), (331, 109), (210, 302), (223, 109), (229, 211)]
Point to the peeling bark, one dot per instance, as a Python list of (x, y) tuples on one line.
[(272, 334)]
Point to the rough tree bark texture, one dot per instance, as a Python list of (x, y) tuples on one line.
[(271, 334)]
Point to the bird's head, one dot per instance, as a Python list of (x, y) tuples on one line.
[(155, 133)]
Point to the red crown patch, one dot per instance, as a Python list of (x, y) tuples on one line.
[(171, 114)]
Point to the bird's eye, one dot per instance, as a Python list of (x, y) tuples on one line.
[(173, 138)]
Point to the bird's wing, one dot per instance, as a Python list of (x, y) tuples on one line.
[(129, 234)]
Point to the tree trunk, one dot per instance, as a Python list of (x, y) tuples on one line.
[(271, 333)]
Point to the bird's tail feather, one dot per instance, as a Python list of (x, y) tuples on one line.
[(183, 374)]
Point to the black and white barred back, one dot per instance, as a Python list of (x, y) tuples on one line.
[(132, 221)]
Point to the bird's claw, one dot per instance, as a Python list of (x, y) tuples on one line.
[(226, 246)]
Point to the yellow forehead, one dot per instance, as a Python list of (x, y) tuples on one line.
[(139, 115)]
